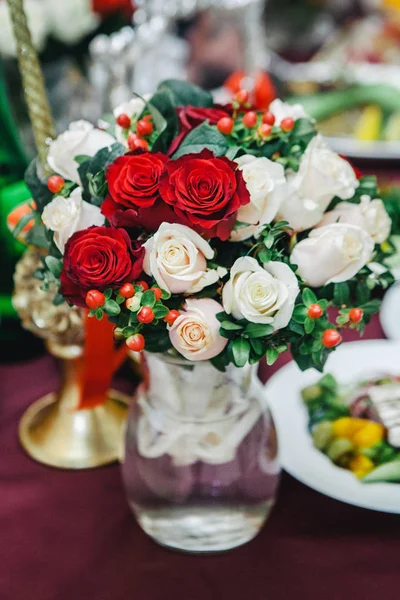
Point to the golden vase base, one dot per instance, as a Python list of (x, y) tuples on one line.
[(54, 434)]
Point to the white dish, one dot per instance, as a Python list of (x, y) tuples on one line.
[(390, 313), (352, 362)]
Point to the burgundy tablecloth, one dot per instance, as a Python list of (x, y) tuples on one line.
[(68, 535)]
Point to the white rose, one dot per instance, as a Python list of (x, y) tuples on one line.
[(133, 109), (282, 110), (261, 295), (322, 175), (332, 254), (369, 214), (195, 333), (176, 258), (266, 184), (37, 21), (65, 216), (80, 139), (71, 21)]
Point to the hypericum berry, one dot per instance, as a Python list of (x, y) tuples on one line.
[(268, 118), (287, 124), (143, 284), (133, 304), (55, 183), (264, 130), (123, 121), (135, 142), (225, 125), (250, 119), (95, 299), (145, 315), (356, 315), (148, 117), (144, 127), (242, 96), (136, 342), (331, 338), (315, 311), (172, 317), (127, 290), (157, 292)]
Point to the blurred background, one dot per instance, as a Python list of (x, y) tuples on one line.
[(340, 58)]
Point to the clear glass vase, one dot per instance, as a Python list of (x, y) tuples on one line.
[(200, 466)]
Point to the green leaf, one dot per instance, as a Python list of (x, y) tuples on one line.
[(240, 225), (258, 330), (303, 131), (37, 237), (229, 326), (341, 294), (24, 220), (241, 351), (120, 299), (220, 361), (309, 297), (81, 158), (272, 354), (165, 295), (99, 314), (108, 293), (38, 188), (58, 299), (148, 298), (371, 307), (203, 137), (296, 327), (258, 346), (222, 316), (185, 93), (232, 152), (54, 265), (309, 325), (342, 320), (163, 101), (160, 311), (300, 313), (111, 308)]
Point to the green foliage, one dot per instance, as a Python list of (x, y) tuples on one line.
[(92, 173), (203, 137), (184, 93), (37, 186)]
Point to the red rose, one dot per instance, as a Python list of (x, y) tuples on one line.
[(134, 190), (205, 191), (98, 258), (191, 117)]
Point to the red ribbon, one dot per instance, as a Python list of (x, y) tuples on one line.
[(99, 362)]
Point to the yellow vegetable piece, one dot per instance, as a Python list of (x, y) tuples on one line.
[(369, 125), (346, 427), (370, 435), (361, 465)]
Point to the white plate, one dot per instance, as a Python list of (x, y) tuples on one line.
[(352, 362), (390, 313)]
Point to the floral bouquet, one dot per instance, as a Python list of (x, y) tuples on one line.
[(211, 232)]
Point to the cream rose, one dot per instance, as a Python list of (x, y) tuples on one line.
[(80, 139), (261, 295), (133, 109), (322, 175), (369, 214), (266, 184), (282, 110), (65, 216), (176, 256), (195, 333), (332, 254)]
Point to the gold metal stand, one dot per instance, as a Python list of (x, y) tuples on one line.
[(53, 432)]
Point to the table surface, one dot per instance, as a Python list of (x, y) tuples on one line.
[(68, 535)]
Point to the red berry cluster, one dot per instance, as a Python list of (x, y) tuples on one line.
[(144, 128)]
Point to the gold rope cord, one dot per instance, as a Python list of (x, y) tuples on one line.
[(33, 82)]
